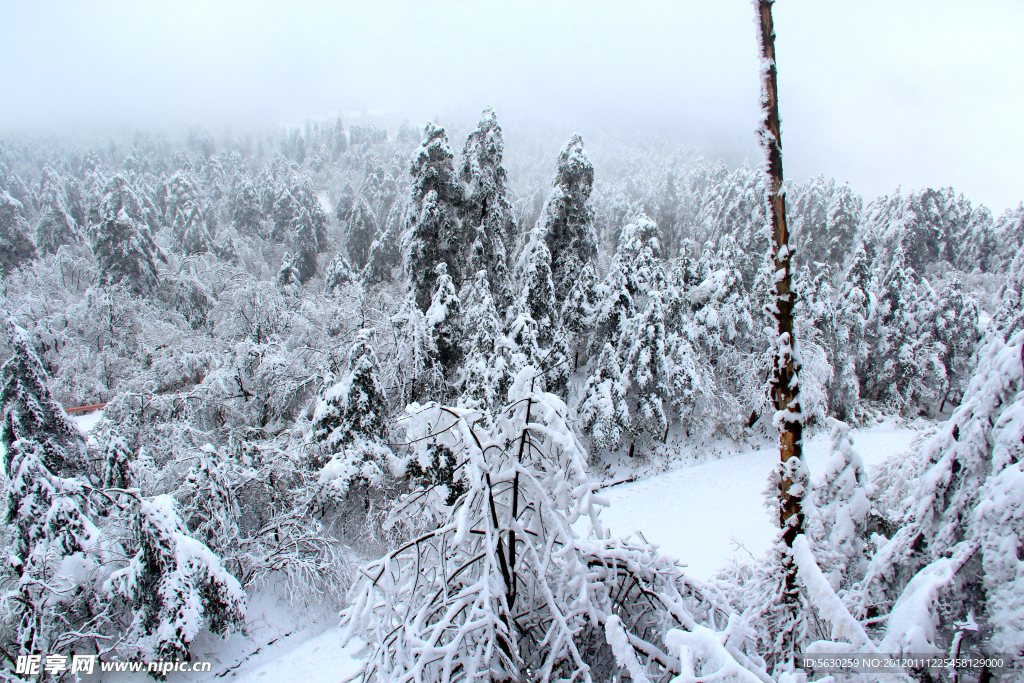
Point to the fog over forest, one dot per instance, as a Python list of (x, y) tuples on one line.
[(877, 94), (470, 341)]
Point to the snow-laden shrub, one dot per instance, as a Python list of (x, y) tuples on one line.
[(503, 587), (840, 498)]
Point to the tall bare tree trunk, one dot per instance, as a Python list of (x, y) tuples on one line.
[(785, 375)]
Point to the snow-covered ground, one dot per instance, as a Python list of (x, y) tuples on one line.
[(283, 643), (708, 514), (699, 514), (87, 421), (325, 201)]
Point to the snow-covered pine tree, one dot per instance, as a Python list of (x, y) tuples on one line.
[(245, 207), (831, 386), (191, 235), (339, 273), (346, 202), (950, 578), (1008, 232), (207, 496), (433, 232), (1009, 317), (639, 253), (666, 381), (288, 273), (722, 321), (56, 226), (483, 322), (603, 411), (182, 195), (301, 223), (385, 253), (668, 217), (368, 134), (579, 315), (648, 372), (536, 299), (486, 208), (904, 367), (46, 510), (615, 305), (338, 139), (533, 326), (956, 328), (350, 424), (979, 248), (568, 219), (124, 245), (484, 376), (15, 246), (175, 586), (407, 136), (116, 459), (935, 227), (12, 183), (31, 412), (283, 210), (360, 229), (825, 220), (307, 232), (445, 324), (47, 527), (736, 208), (853, 308)]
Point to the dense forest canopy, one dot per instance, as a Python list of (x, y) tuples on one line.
[(322, 342)]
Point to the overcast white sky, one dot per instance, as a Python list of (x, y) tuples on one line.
[(877, 93)]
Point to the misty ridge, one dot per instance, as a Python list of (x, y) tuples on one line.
[(361, 397)]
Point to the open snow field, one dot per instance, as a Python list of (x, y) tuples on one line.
[(708, 514), (701, 514)]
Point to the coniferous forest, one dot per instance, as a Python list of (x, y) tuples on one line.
[(397, 373)]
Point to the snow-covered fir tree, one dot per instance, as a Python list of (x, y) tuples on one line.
[(956, 321), (176, 586), (17, 248), (350, 424), (57, 226), (339, 273), (361, 225), (603, 411), (950, 574), (841, 500), (444, 323), (50, 534), (124, 244), (486, 209), (568, 220), (31, 412), (433, 231)]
